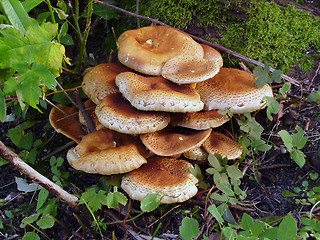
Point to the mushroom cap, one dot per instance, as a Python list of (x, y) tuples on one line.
[(170, 177), (174, 140), (116, 113), (197, 154), (107, 152), (147, 49), (157, 94), (226, 147), (185, 69), (64, 125), (90, 108), (233, 89), (212, 54), (199, 120), (99, 81)]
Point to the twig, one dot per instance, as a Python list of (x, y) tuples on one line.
[(214, 45), (19, 164), (67, 95)]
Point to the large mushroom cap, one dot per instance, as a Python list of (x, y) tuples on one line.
[(185, 69), (116, 113), (147, 49), (171, 141), (107, 152), (99, 81), (168, 176), (64, 124), (199, 120), (226, 147), (233, 89), (157, 94)]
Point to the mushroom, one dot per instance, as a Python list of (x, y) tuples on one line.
[(98, 82), (199, 120), (233, 89), (90, 108), (212, 54), (174, 140), (167, 176), (157, 94), (147, 49), (107, 152), (67, 125), (226, 147), (116, 113), (197, 154)]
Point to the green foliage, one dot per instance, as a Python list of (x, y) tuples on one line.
[(263, 76), (278, 36), (315, 97), (189, 228), (294, 143), (150, 202)]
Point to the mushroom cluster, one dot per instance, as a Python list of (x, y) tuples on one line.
[(157, 110)]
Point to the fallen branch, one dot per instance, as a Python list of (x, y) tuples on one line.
[(19, 164), (214, 45)]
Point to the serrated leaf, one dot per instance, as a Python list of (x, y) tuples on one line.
[(287, 229), (45, 222), (298, 157), (10, 85), (36, 44), (16, 14), (247, 222), (114, 198), (42, 198), (215, 213), (189, 228), (94, 200), (150, 202), (31, 236), (273, 107), (262, 75)]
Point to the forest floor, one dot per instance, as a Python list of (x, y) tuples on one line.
[(265, 200)]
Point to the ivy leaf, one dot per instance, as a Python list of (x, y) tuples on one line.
[(36, 44), (94, 200), (262, 75), (114, 198), (189, 228)]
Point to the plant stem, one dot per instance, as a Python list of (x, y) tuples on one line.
[(52, 17)]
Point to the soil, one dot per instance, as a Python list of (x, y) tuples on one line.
[(277, 172)]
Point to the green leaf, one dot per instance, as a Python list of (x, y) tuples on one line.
[(114, 198), (36, 44), (298, 139), (314, 97), (225, 187), (287, 139), (46, 221), (31, 236), (258, 228), (273, 107), (3, 162), (16, 14), (94, 200), (247, 222), (150, 202), (284, 89), (30, 4), (298, 157), (234, 172), (49, 208), (287, 229), (276, 76), (3, 107), (42, 198), (189, 228), (262, 75), (215, 213), (218, 197), (29, 220), (270, 233), (104, 11), (287, 193)]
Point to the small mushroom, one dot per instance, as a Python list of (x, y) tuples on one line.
[(174, 140), (233, 89), (157, 94), (98, 82), (107, 152), (90, 108), (67, 125), (197, 154), (167, 176), (147, 49), (116, 113), (226, 147)]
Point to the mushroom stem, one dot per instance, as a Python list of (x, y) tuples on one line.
[(193, 85), (19, 164)]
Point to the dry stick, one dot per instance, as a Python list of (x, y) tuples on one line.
[(84, 112), (19, 164), (214, 45), (67, 95)]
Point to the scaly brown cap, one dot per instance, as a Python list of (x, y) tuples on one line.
[(147, 49), (116, 113), (212, 54), (167, 176), (233, 89), (107, 152), (197, 154), (99, 80), (174, 140), (226, 147), (157, 94)]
